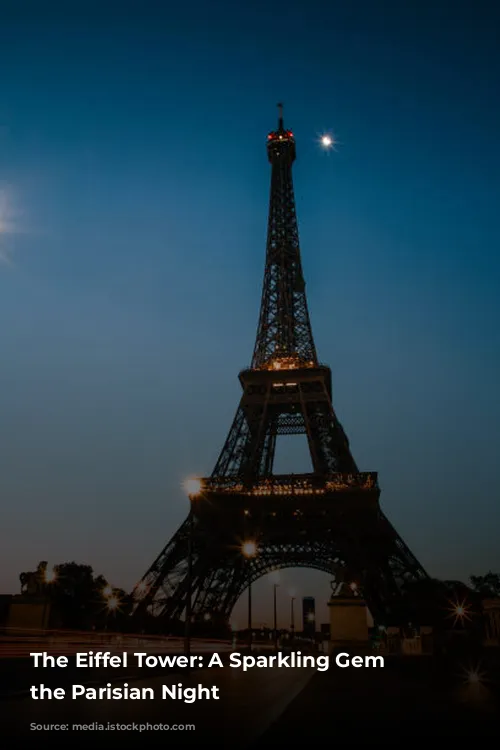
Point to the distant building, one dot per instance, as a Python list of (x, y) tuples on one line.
[(309, 616)]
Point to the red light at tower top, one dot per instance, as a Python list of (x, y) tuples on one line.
[(284, 134)]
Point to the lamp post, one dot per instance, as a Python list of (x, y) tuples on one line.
[(49, 576), (189, 586), (249, 550), (292, 618), (275, 586), (311, 618), (193, 488), (112, 604)]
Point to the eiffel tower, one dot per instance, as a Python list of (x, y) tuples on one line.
[(329, 519)]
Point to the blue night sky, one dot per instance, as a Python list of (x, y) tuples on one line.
[(133, 206)]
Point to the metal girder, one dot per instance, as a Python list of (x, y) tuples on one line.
[(249, 449), (368, 546), (284, 327)]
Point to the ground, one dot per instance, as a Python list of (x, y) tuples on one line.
[(413, 698)]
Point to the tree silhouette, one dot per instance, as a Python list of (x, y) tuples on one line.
[(487, 585), (81, 600)]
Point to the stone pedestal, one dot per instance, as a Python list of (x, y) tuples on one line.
[(491, 611), (28, 613), (348, 622)]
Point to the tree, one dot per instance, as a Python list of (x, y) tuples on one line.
[(82, 600), (487, 585)]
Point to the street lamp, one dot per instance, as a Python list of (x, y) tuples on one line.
[(192, 487), (113, 603), (49, 576), (112, 606), (249, 550), (275, 586), (292, 616)]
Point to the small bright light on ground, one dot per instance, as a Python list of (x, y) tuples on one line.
[(113, 603), (474, 676)]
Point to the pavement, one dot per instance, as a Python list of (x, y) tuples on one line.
[(16, 666), (249, 704), (411, 702)]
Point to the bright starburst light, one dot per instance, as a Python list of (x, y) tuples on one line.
[(327, 141), (192, 486), (50, 576), (460, 612), (113, 604)]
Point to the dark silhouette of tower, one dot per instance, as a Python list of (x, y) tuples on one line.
[(329, 519)]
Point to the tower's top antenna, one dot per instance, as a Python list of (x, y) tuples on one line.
[(280, 120)]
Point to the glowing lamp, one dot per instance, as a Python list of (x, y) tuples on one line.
[(249, 549), (192, 486), (50, 576)]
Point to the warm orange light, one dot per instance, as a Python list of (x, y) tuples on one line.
[(249, 549), (50, 576), (192, 486), (113, 603), (459, 611)]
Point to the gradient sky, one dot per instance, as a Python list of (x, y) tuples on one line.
[(133, 205)]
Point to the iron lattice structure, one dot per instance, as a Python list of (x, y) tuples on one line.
[(329, 519)]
